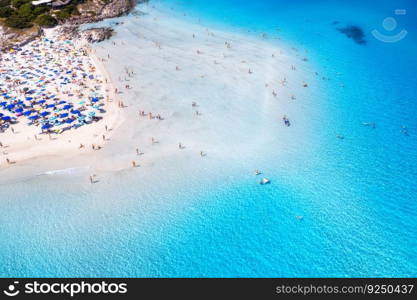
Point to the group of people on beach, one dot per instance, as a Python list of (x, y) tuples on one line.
[(51, 84)]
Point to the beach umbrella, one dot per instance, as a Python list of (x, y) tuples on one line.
[(27, 113), (3, 103), (63, 115), (44, 113), (62, 102), (68, 106), (6, 118), (10, 106), (50, 105), (29, 98), (95, 100), (69, 121), (76, 112), (46, 126), (19, 110), (41, 101), (33, 117)]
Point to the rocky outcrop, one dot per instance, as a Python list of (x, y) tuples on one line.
[(17, 37), (91, 35), (97, 10), (96, 35), (89, 11)]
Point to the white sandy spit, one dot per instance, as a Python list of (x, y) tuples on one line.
[(191, 93)]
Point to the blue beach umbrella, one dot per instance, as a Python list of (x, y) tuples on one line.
[(44, 113), (68, 106), (19, 110), (64, 115), (46, 126), (69, 121), (28, 112), (6, 118), (33, 117)]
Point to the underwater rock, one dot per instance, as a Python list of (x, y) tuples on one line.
[(354, 32)]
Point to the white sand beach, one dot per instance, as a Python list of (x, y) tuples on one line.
[(189, 91), (22, 142)]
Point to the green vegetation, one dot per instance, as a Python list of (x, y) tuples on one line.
[(46, 20), (67, 11), (16, 21), (22, 14), (6, 12)]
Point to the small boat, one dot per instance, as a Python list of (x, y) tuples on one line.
[(371, 124), (264, 181), (300, 218), (257, 172)]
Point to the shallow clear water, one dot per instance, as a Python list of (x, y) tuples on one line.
[(357, 195)]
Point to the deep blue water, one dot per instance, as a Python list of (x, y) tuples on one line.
[(357, 195)]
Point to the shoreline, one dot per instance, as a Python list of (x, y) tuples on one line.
[(241, 63), (63, 146)]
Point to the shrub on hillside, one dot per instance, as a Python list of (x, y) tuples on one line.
[(4, 3), (6, 12), (19, 3), (16, 21), (46, 21)]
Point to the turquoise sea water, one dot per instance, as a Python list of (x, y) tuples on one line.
[(357, 196)]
